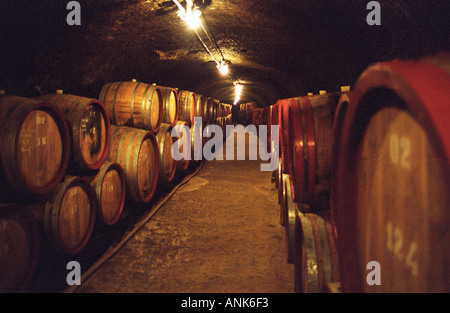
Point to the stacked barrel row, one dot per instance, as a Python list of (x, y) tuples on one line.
[(245, 114), (70, 162), (363, 181), (137, 108), (303, 182), (54, 161)]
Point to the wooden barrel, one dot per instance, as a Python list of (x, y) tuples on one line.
[(274, 121), (283, 204), (289, 220), (183, 143), (228, 108), (284, 133), (392, 178), (226, 120), (200, 106), (265, 116), (222, 123), (212, 111), (136, 150), (279, 182), (133, 104), (170, 105), (257, 118), (220, 109), (167, 164), (241, 115), (19, 248), (187, 106), (215, 109), (197, 142), (35, 144), (269, 125), (336, 145), (70, 215), (110, 190), (274, 114), (207, 110), (310, 127), (316, 259), (90, 130)]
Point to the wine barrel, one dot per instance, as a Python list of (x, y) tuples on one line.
[(393, 177), (133, 104), (183, 144), (289, 220), (336, 145), (90, 130), (275, 110), (187, 106), (228, 108), (110, 190), (269, 125), (241, 115), (219, 122), (284, 133), (200, 106), (274, 121), (215, 109), (227, 120), (222, 122), (265, 116), (279, 182), (316, 259), (250, 106), (167, 164), (257, 118), (220, 110), (136, 150), (35, 144), (283, 194), (19, 248), (207, 110), (310, 127), (70, 215), (170, 105), (197, 142)]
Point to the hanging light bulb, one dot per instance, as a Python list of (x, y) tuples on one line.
[(223, 67), (238, 90), (190, 15), (192, 18)]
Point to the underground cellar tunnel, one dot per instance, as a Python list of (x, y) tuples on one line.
[(339, 181)]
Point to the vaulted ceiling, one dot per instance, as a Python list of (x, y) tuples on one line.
[(278, 49)]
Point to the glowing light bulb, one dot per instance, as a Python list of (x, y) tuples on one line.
[(223, 68), (238, 90), (191, 17)]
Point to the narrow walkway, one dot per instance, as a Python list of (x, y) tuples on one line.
[(219, 233)]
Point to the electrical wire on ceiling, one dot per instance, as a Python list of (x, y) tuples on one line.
[(191, 15)]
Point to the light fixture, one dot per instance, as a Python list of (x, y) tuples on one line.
[(192, 18), (190, 15), (238, 90), (223, 67)]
